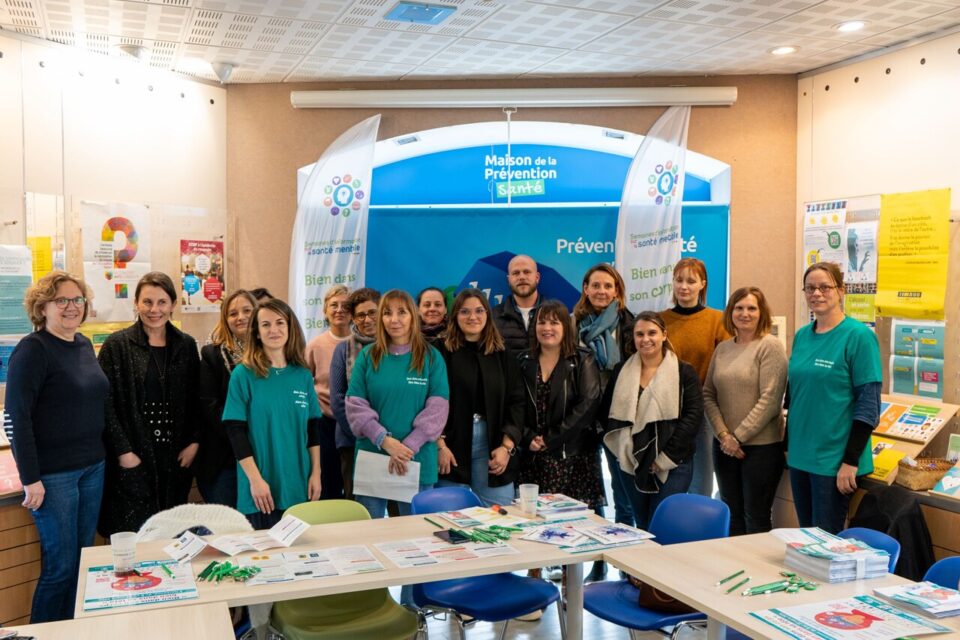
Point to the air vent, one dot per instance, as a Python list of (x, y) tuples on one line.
[(418, 13), (407, 140), (613, 134)]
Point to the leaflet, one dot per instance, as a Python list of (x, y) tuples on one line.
[(612, 534), (477, 516), (562, 536), (282, 534), (149, 584), (186, 547), (290, 566), (431, 550)]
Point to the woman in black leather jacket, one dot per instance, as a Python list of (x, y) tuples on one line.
[(562, 388)]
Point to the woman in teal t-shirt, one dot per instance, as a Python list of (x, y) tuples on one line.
[(397, 400), (833, 397), (272, 418)]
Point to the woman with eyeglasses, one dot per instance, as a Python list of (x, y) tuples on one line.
[(478, 446), (319, 353), (432, 307), (833, 398), (363, 309), (153, 412), (215, 465), (55, 398)]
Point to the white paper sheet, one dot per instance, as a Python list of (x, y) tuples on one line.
[(281, 534), (186, 547), (371, 478)]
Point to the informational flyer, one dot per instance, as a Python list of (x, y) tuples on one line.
[(7, 345), (860, 275), (150, 584), (41, 249), (921, 377), (116, 254), (291, 566), (432, 550), (913, 244), (857, 618), (917, 338), (917, 422), (823, 232), (201, 276), (282, 534), (16, 276), (98, 332)]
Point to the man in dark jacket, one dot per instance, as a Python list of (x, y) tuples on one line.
[(514, 316)]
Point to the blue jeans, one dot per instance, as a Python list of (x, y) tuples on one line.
[(749, 486), (622, 508), (222, 489), (644, 504), (701, 482), (818, 501), (480, 470), (66, 522)]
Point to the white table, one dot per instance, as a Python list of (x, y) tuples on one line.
[(207, 621)]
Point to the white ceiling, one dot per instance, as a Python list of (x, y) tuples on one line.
[(315, 40)]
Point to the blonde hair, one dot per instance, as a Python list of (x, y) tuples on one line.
[(221, 333), (255, 358), (418, 345), (45, 290)]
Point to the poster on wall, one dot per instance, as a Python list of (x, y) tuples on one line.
[(16, 276), (116, 254), (860, 275), (41, 250), (913, 376), (913, 244), (823, 228), (201, 276), (917, 338)]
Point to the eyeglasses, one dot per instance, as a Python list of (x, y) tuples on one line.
[(62, 303), (466, 313), (822, 288), (369, 315)]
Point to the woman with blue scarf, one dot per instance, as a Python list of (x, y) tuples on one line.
[(604, 325)]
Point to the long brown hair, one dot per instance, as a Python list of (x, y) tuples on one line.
[(697, 268), (255, 358), (418, 345), (556, 310), (583, 308), (764, 323), (221, 333), (490, 338)]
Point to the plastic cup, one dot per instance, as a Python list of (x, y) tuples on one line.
[(528, 499), (123, 544)]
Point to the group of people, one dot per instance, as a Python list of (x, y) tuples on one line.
[(479, 396)]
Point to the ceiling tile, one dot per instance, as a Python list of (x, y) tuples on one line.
[(546, 25), (915, 29), (432, 73), (308, 10), (249, 65), (149, 21), (21, 14), (733, 14), (483, 56), (315, 67), (370, 13), (626, 7), (357, 43), (880, 15), (588, 63), (660, 39), (245, 31)]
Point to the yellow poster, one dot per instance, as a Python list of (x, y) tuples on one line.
[(913, 247), (41, 247)]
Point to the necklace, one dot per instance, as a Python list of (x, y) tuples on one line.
[(161, 370)]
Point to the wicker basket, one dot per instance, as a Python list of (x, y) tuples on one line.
[(923, 476)]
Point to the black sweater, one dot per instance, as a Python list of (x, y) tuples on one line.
[(56, 394)]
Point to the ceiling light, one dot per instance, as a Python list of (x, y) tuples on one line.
[(222, 70), (850, 26), (782, 51), (419, 13), (133, 50)]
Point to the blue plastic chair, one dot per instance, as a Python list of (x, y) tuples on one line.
[(945, 572), (492, 598), (877, 540), (683, 517)]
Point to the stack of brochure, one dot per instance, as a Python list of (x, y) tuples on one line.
[(553, 506), (834, 559), (927, 598)]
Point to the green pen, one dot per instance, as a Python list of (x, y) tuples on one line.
[(166, 570), (438, 526), (739, 584), (729, 578)]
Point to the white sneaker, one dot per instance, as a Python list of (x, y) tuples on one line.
[(553, 573)]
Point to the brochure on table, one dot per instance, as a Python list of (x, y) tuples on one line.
[(432, 550), (857, 618), (289, 566), (585, 535), (149, 585), (282, 534), (923, 597), (481, 516)]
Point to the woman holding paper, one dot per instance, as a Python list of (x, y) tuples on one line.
[(272, 418), (479, 443), (833, 397), (397, 400), (743, 397), (55, 398), (654, 410), (215, 466)]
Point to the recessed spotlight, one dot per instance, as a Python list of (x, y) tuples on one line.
[(782, 51), (850, 26)]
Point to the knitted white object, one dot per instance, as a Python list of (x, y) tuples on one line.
[(217, 518)]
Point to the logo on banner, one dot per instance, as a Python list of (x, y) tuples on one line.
[(663, 182), (343, 194)]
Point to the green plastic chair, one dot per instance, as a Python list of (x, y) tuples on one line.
[(363, 615)]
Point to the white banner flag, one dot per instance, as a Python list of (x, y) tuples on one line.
[(330, 232), (648, 226)]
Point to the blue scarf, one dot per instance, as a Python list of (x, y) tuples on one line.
[(596, 332)]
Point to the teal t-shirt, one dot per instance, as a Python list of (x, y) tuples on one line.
[(276, 410), (823, 372), (398, 394)]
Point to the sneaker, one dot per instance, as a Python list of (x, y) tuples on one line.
[(533, 616), (553, 573), (598, 573)]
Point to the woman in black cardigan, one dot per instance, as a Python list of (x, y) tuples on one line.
[(652, 409), (152, 416), (215, 466), (562, 388), (479, 443)]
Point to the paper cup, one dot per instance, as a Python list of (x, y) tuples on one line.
[(528, 499), (123, 544)]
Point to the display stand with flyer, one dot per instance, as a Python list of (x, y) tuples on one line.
[(907, 427), (150, 582)]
